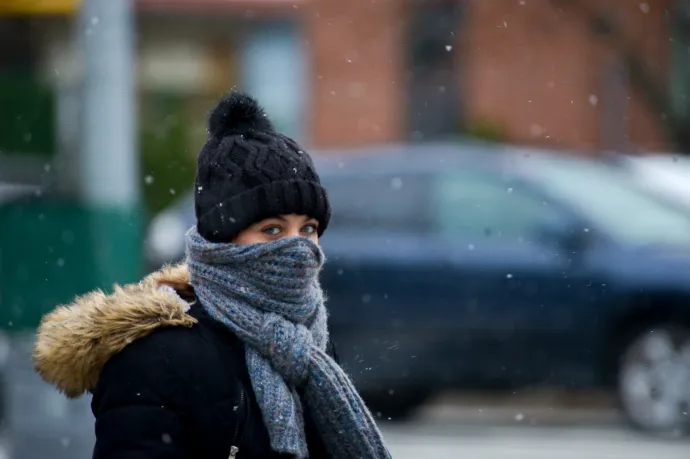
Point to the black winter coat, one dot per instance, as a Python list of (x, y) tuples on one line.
[(168, 382)]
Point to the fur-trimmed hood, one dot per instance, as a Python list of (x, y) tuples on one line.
[(75, 341)]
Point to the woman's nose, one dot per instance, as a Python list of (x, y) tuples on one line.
[(292, 232)]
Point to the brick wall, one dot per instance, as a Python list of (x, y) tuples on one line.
[(355, 51), (541, 73), (534, 70)]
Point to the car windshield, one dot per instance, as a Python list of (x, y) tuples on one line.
[(613, 200)]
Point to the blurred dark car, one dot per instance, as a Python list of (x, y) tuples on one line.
[(458, 267)]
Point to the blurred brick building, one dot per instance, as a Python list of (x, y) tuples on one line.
[(534, 71), (337, 72)]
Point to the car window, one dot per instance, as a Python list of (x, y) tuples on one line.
[(385, 202), (484, 206), (612, 196)]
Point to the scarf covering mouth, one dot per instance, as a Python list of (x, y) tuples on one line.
[(268, 294)]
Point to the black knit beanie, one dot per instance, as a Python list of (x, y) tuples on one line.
[(248, 172)]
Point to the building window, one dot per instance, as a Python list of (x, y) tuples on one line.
[(433, 77), (273, 63), (615, 106), (680, 70)]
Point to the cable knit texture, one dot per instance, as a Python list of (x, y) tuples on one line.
[(269, 296)]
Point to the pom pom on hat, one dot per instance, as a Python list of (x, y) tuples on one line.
[(237, 114)]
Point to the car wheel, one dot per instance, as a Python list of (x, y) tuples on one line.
[(654, 380), (395, 406)]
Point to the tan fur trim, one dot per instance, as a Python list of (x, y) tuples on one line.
[(75, 341), (177, 277)]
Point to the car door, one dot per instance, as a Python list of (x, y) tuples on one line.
[(388, 292), (512, 287)]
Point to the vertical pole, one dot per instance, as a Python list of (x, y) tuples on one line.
[(109, 160), (109, 163)]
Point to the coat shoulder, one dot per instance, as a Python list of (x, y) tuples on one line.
[(167, 367), (75, 341)]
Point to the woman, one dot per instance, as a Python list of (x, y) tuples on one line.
[(227, 355)]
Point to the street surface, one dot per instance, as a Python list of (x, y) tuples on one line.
[(526, 425), (485, 442)]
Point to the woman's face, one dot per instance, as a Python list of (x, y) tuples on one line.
[(272, 229)]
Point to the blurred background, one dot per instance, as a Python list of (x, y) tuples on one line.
[(509, 260)]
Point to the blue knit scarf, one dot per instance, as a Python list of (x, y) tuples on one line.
[(269, 296)]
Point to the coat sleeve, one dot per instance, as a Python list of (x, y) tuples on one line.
[(139, 404)]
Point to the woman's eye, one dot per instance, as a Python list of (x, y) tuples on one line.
[(309, 229), (272, 230)]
